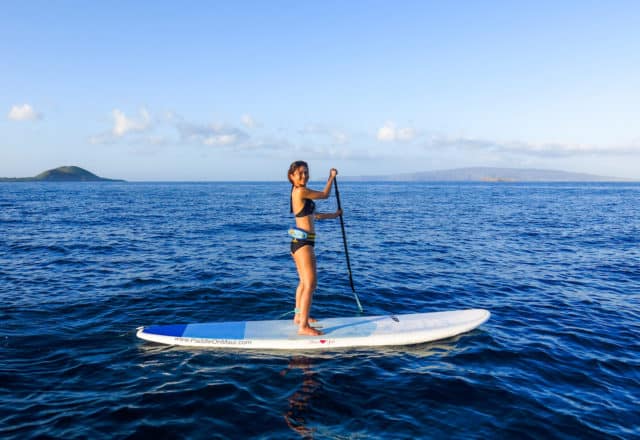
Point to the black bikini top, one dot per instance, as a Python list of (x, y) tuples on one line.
[(308, 208)]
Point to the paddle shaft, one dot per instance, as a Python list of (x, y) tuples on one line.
[(346, 249)]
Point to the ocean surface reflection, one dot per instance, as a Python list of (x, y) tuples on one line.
[(83, 265)]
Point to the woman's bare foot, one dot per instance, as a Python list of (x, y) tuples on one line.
[(309, 331)]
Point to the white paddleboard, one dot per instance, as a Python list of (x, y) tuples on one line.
[(337, 332)]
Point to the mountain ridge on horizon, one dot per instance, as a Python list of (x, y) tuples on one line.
[(489, 174)]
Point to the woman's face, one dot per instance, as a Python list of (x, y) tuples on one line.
[(300, 176)]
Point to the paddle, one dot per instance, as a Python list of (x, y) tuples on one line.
[(346, 249)]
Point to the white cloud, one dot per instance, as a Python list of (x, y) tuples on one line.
[(406, 134), (323, 152), (221, 139), (169, 128), (340, 137), (389, 132), (23, 112), (123, 125), (248, 121), (211, 135)]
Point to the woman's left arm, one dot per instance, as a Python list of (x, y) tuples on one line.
[(328, 216)]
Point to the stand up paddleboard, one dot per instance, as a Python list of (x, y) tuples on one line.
[(337, 332)]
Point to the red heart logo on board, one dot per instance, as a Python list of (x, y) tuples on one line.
[(322, 341)]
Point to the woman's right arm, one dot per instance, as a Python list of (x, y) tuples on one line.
[(324, 194)]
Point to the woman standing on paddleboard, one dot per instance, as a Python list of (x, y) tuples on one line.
[(303, 239)]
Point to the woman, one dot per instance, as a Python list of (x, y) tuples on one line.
[(302, 204)]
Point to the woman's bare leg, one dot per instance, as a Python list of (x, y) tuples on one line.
[(306, 263), (300, 288)]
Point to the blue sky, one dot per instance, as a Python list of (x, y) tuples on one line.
[(237, 90)]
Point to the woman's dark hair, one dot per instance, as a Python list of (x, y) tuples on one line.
[(294, 166)]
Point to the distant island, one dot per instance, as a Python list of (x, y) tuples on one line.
[(485, 174), (61, 174)]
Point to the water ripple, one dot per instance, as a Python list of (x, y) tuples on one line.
[(81, 266)]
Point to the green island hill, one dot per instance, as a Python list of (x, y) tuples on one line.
[(61, 174)]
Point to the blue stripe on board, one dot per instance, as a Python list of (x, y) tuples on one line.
[(166, 330), (216, 330)]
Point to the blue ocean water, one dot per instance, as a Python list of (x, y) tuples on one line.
[(83, 264)]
